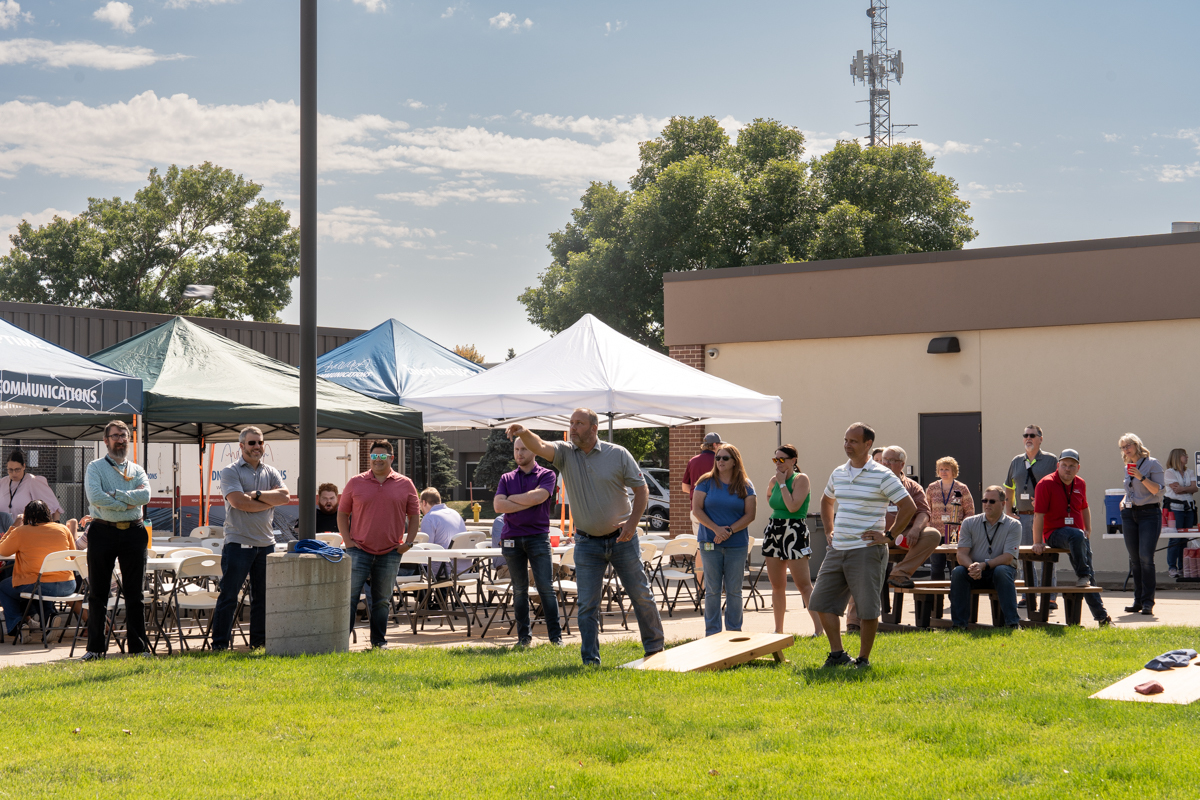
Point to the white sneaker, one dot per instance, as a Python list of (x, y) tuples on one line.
[(1084, 581), (1173, 572)]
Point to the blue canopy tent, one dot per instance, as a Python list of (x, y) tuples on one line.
[(49, 392), (392, 361)]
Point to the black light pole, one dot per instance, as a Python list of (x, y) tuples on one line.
[(306, 483)]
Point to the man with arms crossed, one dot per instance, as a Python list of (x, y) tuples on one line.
[(596, 474), (855, 563), (1062, 519), (378, 508), (1024, 473), (252, 490), (987, 557), (116, 490), (525, 497)]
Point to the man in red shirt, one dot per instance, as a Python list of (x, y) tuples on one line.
[(700, 464), (1062, 520), (378, 519)]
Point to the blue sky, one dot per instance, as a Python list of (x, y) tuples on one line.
[(456, 136)]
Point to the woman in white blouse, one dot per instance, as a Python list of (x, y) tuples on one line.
[(20, 487), (1180, 496)]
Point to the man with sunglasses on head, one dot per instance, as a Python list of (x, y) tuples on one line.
[(1024, 473), (252, 490), (378, 519), (116, 490), (987, 557)]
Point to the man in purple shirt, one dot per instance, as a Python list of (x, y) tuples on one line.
[(526, 496)]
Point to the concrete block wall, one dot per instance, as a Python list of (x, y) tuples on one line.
[(308, 604), (684, 443)]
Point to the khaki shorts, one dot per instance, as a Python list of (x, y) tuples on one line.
[(855, 573)]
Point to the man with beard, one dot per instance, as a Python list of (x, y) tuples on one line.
[(327, 503), (116, 489)]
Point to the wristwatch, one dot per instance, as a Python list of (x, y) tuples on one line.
[(257, 493), (889, 535)]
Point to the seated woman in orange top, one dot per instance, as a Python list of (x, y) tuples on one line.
[(31, 542)]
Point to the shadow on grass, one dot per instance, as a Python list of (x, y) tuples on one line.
[(819, 675), (533, 675)]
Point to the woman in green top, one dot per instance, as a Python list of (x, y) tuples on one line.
[(785, 541)]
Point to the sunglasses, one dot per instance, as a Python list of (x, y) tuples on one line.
[(379, 456), (987, 502), (780, 460), (249, 443), (724, 458), (1031, 435)]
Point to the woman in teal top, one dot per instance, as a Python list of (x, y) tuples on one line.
[(785, 540)]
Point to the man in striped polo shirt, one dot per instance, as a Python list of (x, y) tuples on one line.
[(856, 560)]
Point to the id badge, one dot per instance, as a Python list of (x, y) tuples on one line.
[(891, 510), (1069, 521), (507, 543), (709, 546), (945, 517), (1024, 495)]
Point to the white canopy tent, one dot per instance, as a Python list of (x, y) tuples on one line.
[(589, 365)]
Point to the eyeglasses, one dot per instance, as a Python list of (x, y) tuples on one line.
[(250, 443), (724, 458), (781, 460), (987, 502), (11, 470), (118, 437), (379, 456), (1127, 446), (1032, 435)]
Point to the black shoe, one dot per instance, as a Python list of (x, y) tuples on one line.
[(901, 582), (853, 628), (1133, 609), (1014, 626), (1021, 604), (959, 628), (861, 663), (90, 656), (1148, 611), (842, 659), (525, 642), (1053, 606)]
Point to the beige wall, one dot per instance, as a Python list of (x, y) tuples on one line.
[(1066, 379)]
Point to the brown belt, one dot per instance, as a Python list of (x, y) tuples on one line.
[(121, 526), (1024, 513)]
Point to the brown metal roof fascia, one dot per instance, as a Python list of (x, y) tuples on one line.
[(1131, 279), (88, 330)]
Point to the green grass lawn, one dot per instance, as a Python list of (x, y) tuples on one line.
[(940, 716)]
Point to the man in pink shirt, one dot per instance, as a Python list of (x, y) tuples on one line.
[(378, 519)]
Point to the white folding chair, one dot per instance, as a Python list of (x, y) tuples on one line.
[(60, 561), (334, 539), (684, 548), (201, 572), (208, 532)]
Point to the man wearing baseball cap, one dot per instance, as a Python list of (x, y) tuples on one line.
[(1062, 520), (700, 464)]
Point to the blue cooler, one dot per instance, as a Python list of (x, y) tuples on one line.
[(1112, 509)]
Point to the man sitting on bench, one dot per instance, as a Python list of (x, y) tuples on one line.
[(1062, 519), (987, 554)]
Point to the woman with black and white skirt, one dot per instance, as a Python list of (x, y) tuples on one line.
[(785, 541)]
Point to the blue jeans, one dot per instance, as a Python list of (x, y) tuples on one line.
[(724, 568), (522, 553), (382, 572), (1183, 519), (1002, 578), (1076, 541), (1142, 526), (239, 561), (14, 605), (592, 557)]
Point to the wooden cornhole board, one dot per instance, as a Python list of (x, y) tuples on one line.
[(720, 651), (1180, 686)]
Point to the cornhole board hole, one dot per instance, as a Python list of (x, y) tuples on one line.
[(1180, 686), (721, 651)]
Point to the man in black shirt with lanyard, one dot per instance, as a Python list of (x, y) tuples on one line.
[(987, 556), (1023, 474)]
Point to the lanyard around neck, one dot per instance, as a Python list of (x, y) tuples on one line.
[(13, 492)]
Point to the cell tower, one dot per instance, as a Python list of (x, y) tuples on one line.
[(876, 71)]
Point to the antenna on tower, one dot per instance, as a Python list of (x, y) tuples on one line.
[(876, 71)]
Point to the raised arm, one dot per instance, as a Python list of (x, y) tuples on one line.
[(531, 440)]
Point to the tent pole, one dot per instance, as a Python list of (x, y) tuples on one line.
[(175, 528), (779, 434), (200, 475), (610, 429), (307, 479), (428, 462)]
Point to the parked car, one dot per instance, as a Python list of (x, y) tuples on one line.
[(658, 511)]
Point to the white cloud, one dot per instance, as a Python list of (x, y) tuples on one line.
[(1111, 137), (1177, 173), (359, 225), (613, 27), (469, 191), (983, 192), (372, 6), (505, 21), (10, 14), (9, 222), (414, 103), (951, 146), (121, 141), (450, 11), (119, 15), (79, 54), (186, 3)]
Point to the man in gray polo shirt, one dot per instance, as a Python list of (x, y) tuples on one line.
[(252, 491), (987, 557), (1023, 474), (596, 474)]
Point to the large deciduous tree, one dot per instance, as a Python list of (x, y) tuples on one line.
[(194, 225), (699, 201)]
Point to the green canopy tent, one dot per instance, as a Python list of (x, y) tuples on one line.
[(198, 385)]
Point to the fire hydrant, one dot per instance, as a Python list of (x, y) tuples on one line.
[(475, 509)]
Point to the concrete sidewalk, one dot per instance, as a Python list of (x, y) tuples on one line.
[(1172, 607)]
